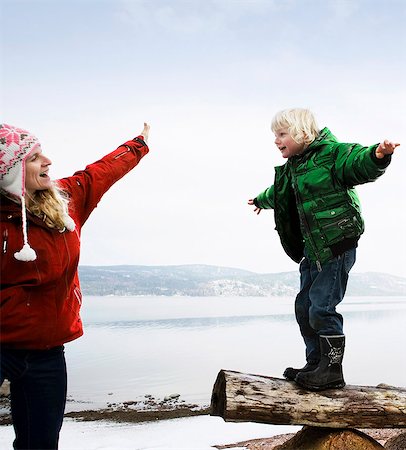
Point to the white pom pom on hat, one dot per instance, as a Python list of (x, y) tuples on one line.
[(69, 222), (15, 146)]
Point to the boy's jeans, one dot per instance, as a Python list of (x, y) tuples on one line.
[(38, 395), (320, 293)]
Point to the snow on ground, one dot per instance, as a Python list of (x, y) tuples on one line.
[(190, 433)]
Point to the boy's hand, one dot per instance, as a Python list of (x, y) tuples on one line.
[(251, 203), (385, 148)]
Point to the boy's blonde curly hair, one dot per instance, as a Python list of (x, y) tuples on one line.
[(300, 123)]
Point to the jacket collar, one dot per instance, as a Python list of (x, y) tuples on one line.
[(325, 136)]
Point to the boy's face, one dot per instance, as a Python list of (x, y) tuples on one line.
[(287, 146)]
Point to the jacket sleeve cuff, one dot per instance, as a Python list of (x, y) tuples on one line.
[(381, 162), (140, 139), (137, 146), (256, 202)]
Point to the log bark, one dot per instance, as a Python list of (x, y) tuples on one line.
[(239, 397)]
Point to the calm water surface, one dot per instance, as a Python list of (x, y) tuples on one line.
[(163, 345)]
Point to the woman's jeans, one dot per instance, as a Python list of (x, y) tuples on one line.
[(38, 395), (320, 293)]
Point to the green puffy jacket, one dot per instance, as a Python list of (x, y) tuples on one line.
[(316, 207)]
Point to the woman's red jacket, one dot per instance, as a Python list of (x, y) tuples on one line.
[(40, 300)]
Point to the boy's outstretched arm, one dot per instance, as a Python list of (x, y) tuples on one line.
[(385, 148)]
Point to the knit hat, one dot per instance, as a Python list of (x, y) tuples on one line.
[(16, 145)]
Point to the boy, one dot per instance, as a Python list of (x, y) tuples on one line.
[(318, 219)]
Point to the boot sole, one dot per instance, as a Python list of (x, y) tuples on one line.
[(289, 378), (293, 378), (335, 385)]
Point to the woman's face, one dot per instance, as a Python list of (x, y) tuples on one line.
[(36, 172)]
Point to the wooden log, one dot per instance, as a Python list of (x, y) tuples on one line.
[(315, 438), (239, 397)]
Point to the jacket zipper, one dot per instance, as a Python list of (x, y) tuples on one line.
[(5, 238), (77, 295), (305, 223), (123, 153), (338, 223)]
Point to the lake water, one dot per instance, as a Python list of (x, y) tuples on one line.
[(134, 346)]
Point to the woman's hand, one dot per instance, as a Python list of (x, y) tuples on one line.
[(251, 203), (145, 132)]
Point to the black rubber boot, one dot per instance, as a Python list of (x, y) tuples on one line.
[(329, 372), (290, 373)]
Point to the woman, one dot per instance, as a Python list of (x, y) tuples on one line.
[(41, 221)]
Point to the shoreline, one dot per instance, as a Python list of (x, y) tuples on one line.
[(147, 409), (129, 415)]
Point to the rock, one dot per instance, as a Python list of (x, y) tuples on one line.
[(171, 397), (5, 389), (397, 442), (313, 438)]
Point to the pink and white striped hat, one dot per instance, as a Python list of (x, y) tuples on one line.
[(15, 146)]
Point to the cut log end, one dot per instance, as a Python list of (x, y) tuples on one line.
[(218, 397), (312, 438)]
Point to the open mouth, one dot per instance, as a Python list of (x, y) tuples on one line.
[(43, 175)]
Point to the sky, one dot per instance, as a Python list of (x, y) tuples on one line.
[(208, 76)]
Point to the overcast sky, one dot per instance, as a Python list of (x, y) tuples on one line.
[(208, 75)]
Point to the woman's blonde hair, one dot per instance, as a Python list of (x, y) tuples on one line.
[(300, 123), (51, 205)]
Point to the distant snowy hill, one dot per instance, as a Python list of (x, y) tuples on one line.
[(204, 280)]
